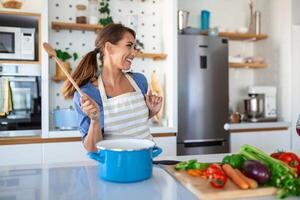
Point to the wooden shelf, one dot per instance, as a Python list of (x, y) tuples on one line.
[(20, 61), (95, 27), (58, 79), (74, 26), (241, 36), (154, 56), (247, 65)]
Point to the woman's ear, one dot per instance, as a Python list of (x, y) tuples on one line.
[(108, 48)]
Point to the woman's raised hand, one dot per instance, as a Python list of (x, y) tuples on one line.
[(90, 107), (153, 103)]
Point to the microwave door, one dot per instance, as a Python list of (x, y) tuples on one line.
[(10, 43)]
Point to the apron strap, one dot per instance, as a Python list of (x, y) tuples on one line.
[(101, 89)]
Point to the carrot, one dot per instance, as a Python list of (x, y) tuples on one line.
[(235, 177), (251, 182), (196, 172)]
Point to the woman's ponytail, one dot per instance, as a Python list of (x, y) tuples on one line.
[(84, 72)]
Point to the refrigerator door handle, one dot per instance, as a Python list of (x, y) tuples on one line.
[(204, 142)]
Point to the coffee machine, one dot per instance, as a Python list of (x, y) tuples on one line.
[(262, 104)]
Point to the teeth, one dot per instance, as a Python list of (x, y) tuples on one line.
[(129, 60)]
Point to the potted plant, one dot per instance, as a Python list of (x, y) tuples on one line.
[(64, 56), (104, 10)]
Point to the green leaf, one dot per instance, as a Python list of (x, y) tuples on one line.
[(106, 21), (75, 56)]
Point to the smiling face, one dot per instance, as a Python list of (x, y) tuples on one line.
[(123, 52)]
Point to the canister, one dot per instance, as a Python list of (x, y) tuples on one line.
[(257, 19), (93, 14), (205, 15), (81, 14)]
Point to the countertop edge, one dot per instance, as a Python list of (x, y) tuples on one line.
[(264, 126), (40, 140)]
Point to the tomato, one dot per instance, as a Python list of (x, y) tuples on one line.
[(216, 176), (289, 158), (276, 154)]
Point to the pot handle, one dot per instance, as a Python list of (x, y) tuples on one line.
[(96, 156), (156, 151)]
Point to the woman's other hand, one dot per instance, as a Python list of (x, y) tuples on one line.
[(90, 107), (153, 103)]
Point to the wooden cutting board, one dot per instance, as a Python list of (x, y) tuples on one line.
[(202, 189)]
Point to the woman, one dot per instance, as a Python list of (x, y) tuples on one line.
[(115, 104)]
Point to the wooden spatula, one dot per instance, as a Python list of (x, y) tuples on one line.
[(52, 54)]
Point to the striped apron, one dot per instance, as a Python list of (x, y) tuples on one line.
[(125, 115)]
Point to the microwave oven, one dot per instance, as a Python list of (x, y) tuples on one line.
[(17, 43)]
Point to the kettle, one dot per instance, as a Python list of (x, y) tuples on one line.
[(183, 17)]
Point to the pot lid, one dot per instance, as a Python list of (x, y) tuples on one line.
[(125, 144)]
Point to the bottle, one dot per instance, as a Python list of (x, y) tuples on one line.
[(257, 20), (205, 15), (81, 14), (93, 12)]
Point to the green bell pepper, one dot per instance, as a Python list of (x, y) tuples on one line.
[(235, 160)]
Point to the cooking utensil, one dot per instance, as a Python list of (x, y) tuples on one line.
[(165, 162), (125, 160), (65, 119), (52, 54)]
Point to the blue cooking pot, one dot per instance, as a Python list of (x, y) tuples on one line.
[(125, 160)]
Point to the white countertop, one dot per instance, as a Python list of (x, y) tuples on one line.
[(80, 181), (257, 125)]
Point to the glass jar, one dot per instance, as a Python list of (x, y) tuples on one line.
[(93, 12), (81, 14)]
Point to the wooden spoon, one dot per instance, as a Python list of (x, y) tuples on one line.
[(52, 54)]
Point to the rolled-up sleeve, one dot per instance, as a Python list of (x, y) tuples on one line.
[(83, 119)]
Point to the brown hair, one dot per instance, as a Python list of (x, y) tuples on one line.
[(87, 68)]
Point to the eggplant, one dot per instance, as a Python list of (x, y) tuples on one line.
[(257, 171)]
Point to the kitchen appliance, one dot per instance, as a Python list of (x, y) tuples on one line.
[(203, 95), (262, 104), (183, 17), (254, 107), (65, 119), (25, 99), (125, 160), (17, 43)]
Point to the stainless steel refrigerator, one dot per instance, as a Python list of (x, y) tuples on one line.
[(202, 95)]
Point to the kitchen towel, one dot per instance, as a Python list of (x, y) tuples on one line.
[(5, 97)]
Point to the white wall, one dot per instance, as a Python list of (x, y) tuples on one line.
[(295, 72), (276, 20)]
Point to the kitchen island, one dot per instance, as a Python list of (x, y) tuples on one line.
[(80, 181)]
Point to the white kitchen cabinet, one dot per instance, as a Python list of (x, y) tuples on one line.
[(64, 152), (168, 145), (268, 141), (21, 154)]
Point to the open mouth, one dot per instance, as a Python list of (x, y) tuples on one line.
[(129, 60)]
